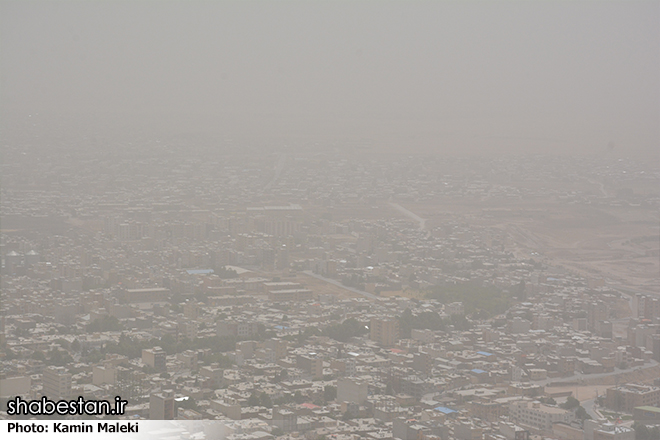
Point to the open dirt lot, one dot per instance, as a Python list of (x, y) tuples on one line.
[(619, 244), (580, 392), (323, 288)]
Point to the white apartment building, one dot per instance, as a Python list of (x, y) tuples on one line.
[(56, 383), (537, 415)]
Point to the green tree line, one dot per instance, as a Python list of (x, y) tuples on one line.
[(482, 301)]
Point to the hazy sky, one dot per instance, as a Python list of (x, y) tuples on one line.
[(432, 75)]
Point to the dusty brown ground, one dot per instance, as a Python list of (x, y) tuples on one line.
[(580, 392), (592, 388), (618, 244), (595, 243), (647, 375), (321, 287)]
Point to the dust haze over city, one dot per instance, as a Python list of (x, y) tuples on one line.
[(332, 219)]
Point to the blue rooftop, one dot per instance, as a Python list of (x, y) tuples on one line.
[(484, 353), (477, 371), (444, 410)]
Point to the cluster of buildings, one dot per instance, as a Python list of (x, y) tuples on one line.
[(291, 302)]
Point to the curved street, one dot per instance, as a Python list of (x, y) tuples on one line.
[(580, 377)]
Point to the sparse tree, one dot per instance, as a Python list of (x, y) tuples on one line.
[(265, 400), (253, 400), (329, 393)]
